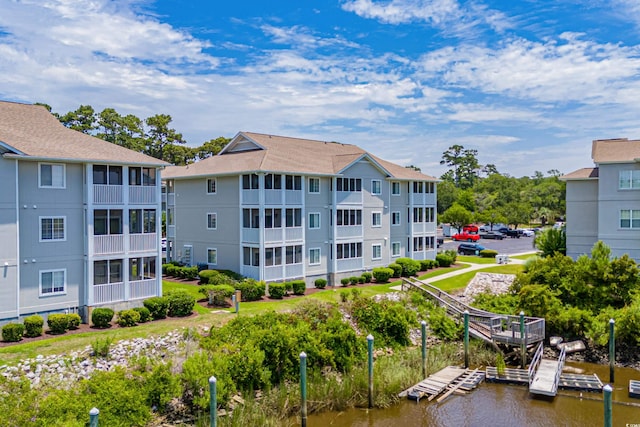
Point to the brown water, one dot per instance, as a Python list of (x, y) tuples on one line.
[(502, 405)]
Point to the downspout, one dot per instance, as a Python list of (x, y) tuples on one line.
[(17, 242)]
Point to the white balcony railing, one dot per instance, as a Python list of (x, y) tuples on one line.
[(108, 244), (143, 242), (110, 292), (273, 235), (423, 199), (250, 271), (419, 255), (142, 194), (349, 264), (293, 270), (250, 197), (293, 197), (349, 197), (344, 231), (293, 233), (273, 272), (107, 194), (273, 197), (251, 235), (145, 288)]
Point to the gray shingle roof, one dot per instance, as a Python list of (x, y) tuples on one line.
[(581, 174), (619, 150), (32, 131)]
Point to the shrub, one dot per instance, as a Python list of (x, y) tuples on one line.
[(409, 266), (320, 283), (158, 307), (288, 287), (444, 260), (251, 289), (101, 317), (189, 273), (180, 303), (428, 264), (101, 347), (345, 281), (12, 332), (488, 253), (367, 277), (353, 280), (165, 267), (58, 323), (172, 270), (33, 326), (127, 318), (361, 280), (276, 290), (299, 287), (214, 277), (396, 268), (382, 274), (74, 320), (161, 386), (217, 294), (202, 266), (344, 295), (145, 314)]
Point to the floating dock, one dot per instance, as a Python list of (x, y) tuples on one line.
[(448, 381), (634, 388), (580, 382)]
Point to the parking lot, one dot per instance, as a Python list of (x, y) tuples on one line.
[(509, 246)]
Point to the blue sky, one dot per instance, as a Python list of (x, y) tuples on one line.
[(529, 84)]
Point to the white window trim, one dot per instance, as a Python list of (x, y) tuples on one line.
[(64, 176), (215, 214), (399, 188), (399, 247), (399, 218), (319, 218), (309, 183), (319, 256), (212, 249), (379, 187), (215, 180), (49, 294), (373, 257), (64, 218), (630, 227), (373, 214)]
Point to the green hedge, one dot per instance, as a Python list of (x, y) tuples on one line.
[(410, 267), (33, 326), (382, 274), (74, 320), (345, 281), (101, 317), (320, 283), (488, 253), (251, 289), (396, 270), (217, 294), (367, 277), (277, 290), (299, 287), (127, 318), (58, 323), (181, 303), (157, 306), (214, 277), (145, 314), (12, 332)]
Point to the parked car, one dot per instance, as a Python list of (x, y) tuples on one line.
[(492, 235), (440, 241), (470, 248), (528, 232), (465, 236), (470, 228), (509, 232)]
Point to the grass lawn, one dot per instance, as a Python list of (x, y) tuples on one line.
[(524, 256), (476, 259)]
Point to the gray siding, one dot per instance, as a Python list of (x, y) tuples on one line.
[(318, 238), (9, 238), (582, 212)]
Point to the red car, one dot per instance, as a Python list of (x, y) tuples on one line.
[(465, 236), (470, 228)]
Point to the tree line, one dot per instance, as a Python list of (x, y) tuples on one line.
[(470, 192), (153, 136)]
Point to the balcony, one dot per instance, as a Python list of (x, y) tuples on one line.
[(273, 272), (293, 197), (423, 199), (108, 244), (292, 233), (145, 288), (250, 197), (349, 197), (273, 197), (348, 231), (423, 227), (143, 242), (107, 194), (293, 270), (142, 195), (350, 264), (272, 235), (109, 292), (250, 271), (251, 235)]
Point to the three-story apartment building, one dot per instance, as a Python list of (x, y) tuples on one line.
[(603, 202), (79, 219), (277, 208)]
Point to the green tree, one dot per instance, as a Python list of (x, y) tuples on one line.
[(550, 241), (126, 131), (211, 147), (447, 195), (464, 163), (83, 119), (457, 216), (159, 136)]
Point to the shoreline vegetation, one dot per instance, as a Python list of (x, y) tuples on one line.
[(254, 356)]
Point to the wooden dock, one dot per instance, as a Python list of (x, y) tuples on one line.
[(448, 381), (580, 382), (544, 379), (509, 376), (634, 388)]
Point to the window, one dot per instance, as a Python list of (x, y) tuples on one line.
[(430, 242), (349, 217), (142, 268), (376, 252), (250, 182), (430, 187), (107, 221), (212, 221), (251, 218), (273, 182), (629, 218), (418, 244), (395, 218), (417, 187), (418, 215), (108, 271), (293, 254), (376, 219), (395, 188), (293, 217), (395, 249), (211, 185), (293, 182), (376, 186), (314, 185), (53, 282), (314, 220), (142, 221), (142, 176), (170, 217), (251, 256), (52, 175), (272, 218), (314, 256), (272, 256), (348, 184), (349, 250), (52, 229), (430, 214), (107, 175), (212, 256), (629, 180)]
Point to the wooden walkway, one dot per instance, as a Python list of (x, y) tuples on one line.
[(544, 381), (448, 381)]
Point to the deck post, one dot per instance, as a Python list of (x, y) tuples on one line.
[(423, 326), (213, 402), (523, 342), (466, 339), (370, 348), (608, 418), (303, 389), (238, 296), (93, 417), (612, 349)]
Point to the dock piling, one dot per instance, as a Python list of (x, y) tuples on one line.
[(303, 389), (370, 348), (612, 349), (423, 326), (523, 342), (213, 402), (608, 419), (466, 339), (93, 417)]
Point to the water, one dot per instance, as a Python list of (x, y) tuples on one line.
[(498, 405)]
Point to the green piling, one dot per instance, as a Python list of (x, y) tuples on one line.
[(303, 389), (423, 326), (213, 404), (466, 339), (608, 413), (523, 342), (93, 417), (612, 349), (370, 348)]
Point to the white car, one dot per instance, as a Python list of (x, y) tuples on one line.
[(528, 232)]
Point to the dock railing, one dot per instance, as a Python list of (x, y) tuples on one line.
[(535, 362), (561, 359)]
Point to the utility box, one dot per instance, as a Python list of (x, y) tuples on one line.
[(502, 259)]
